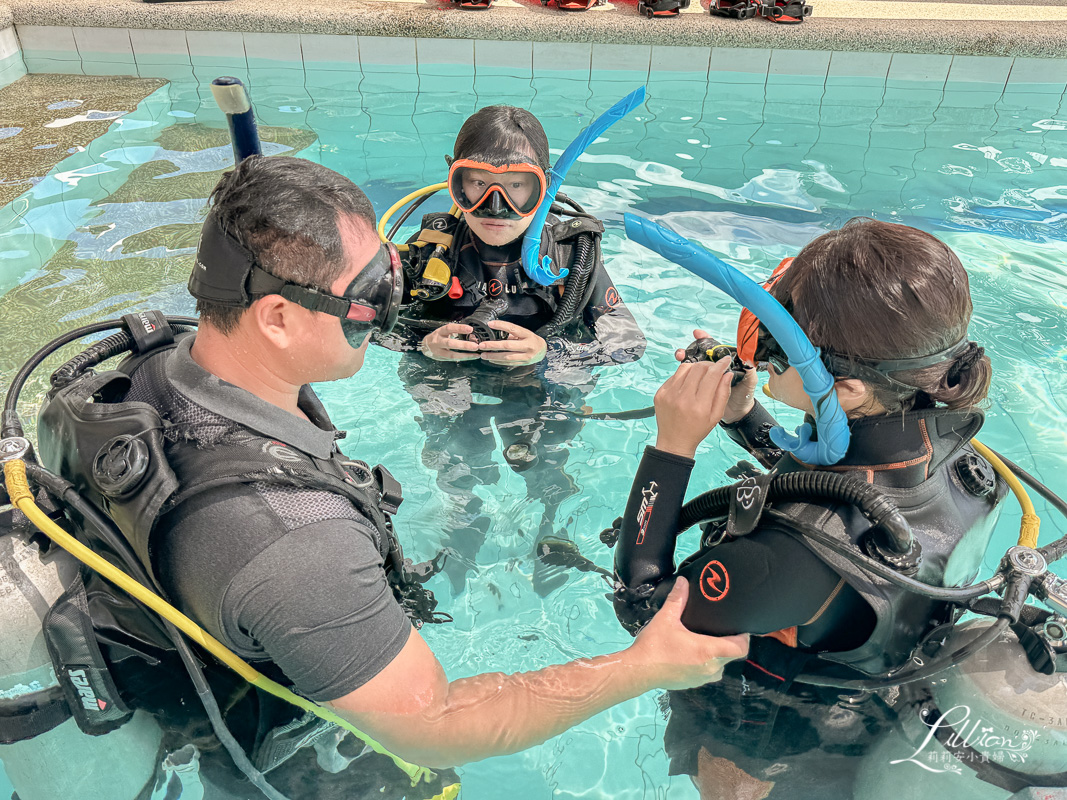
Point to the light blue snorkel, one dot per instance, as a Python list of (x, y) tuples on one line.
[(803, 356), (541, 270)]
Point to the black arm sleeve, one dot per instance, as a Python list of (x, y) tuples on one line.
[(617, 337), (759, 583), (752, 432), (644, 555)]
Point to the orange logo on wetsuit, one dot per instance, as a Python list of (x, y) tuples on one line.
[(495, 288), (611, 297), (714, 581)]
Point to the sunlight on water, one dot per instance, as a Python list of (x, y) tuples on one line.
[(751, 173)]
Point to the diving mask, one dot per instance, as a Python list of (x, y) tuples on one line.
[(756, 345), (227, 273), (509, 191)]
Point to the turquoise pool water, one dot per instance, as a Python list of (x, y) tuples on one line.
[(752, 168)]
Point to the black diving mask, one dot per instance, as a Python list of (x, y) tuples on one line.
[(756, 345), (227, 273)]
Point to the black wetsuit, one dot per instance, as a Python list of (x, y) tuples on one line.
[(817, 613), (533, 400)]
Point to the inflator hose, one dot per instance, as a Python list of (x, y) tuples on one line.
[(887, 523)]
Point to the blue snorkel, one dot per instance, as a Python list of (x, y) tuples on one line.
[(232, 98), (803, 356), (541, 270)]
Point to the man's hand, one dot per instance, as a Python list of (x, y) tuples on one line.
[(448, 343), (690, 404), (680, 658), (742, 396), (522, 346)]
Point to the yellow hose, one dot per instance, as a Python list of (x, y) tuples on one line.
[(22, 498), (1031, 522), (399, 204)]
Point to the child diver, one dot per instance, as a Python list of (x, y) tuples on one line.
[(478, 325), (888, 306)]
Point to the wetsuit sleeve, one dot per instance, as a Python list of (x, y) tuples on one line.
[(617, 339), (752, 432), (644, 554), (318, 604), (766, 581)]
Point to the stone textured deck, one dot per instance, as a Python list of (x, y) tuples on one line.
[(983, 27)]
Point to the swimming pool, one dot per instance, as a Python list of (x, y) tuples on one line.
[(751, 165)]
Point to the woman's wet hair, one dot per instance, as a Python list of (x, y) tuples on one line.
[(881, 291), (500, 135), (286, 211)]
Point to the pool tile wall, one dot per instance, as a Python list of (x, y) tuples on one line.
[(178, 55), (12, 67)]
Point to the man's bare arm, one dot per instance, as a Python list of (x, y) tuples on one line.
[(412, 708)]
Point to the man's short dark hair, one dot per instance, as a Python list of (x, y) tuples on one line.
[(286, 211)]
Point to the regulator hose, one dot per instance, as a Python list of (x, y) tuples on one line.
[(890, 531), (16, 474), (988, 636), (574, 288), (949, 594), (11, 426), (113, 345), (1053, 551)]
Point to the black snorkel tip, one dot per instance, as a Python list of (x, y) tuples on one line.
[(232, 98)]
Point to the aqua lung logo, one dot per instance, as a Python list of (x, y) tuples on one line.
[(88, 697), (495, 288), (748, 493), (148, 326), (714, 581)]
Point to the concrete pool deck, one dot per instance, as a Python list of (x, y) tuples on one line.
[(1021, 28)]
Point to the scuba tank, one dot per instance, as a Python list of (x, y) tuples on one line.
[(990, 727), (43, 751)]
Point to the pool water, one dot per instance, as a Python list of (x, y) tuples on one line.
[(752, 170)]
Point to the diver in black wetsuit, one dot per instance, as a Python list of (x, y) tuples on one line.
[(490, 330), (889, 307)]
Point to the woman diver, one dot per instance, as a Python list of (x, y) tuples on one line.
[(483, 327), (888, 306)]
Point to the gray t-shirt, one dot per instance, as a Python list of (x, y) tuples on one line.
[(315, 600)]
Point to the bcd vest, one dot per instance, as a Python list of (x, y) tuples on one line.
[(127, 458), (527, 299), (952, 513)]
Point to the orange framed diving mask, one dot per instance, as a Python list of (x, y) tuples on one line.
[(755, 345), (510, 191)]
